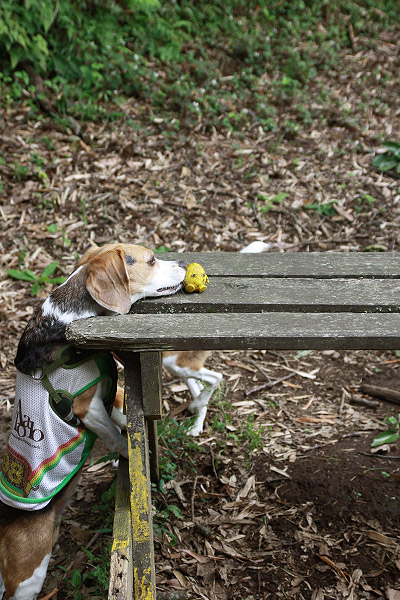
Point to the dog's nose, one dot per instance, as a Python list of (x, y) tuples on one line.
[(182, 264)]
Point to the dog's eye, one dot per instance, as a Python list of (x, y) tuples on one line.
[(152, 261)]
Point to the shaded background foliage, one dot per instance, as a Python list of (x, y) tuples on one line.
[(175, 54)]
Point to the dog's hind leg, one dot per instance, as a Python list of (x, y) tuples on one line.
[(26, 542), (2, 588), (207, 380), (189, 367), (25, 551)]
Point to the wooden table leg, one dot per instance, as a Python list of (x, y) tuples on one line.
[(140, 490), (153, 447), (121, 580), (150, 363)]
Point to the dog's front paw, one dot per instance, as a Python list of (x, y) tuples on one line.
[(122, 447), (198, 426), (195, 430), (118, 418)]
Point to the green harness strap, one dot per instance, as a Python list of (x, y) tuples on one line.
[(61, 402)]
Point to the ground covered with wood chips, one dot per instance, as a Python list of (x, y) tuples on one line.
[(281, 496)]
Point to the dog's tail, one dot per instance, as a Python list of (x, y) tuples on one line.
[(256, 247)]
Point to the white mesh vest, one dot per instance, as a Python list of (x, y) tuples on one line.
[(44, 452)]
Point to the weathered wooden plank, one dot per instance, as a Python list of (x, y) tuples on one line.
[(153, 447), (150, 364), (139, 476), (121, 582), (299, 264), (228, 294), (290, 331)]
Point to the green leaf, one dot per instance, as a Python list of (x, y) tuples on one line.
[(56, 280), (385, 162), (49, 270), (16, 54), (394, 147), (175, 510), (106, 458), (35, 289), (387, 437), (322, 209), (76, 579), (302, 353), (23, 275), (277, 199), (392, 423), (53, 228)]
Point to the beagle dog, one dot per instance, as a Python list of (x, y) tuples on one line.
[(64, 399)]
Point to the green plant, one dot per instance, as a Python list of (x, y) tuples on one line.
[(37, 280), (390, 435), (326, 209), (94, 581), (32, 169), (162, 249), (228, 64), (249, 435), (176, 446), (270, 201), (161, 522), (54, 228), (20, 171), (389, 160), (252, 434)]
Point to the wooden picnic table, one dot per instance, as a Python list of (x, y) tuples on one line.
[(275, 301)]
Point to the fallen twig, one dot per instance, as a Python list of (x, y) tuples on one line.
[(364, 402), (381, 392), (49, 595), (269, 384), (379, 455), (193, 496)]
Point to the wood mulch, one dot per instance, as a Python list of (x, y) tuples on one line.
[(310, 513)]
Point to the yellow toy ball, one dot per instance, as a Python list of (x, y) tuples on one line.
[(196, 279)]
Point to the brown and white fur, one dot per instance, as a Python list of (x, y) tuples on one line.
[(189, 366), (107, 281)]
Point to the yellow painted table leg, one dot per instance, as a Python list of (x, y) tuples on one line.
[(121, 572), (140, 487)]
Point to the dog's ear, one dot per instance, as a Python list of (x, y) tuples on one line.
[(89, 254), (108, 281)]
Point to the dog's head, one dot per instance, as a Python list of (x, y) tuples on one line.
[(120, 274)]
